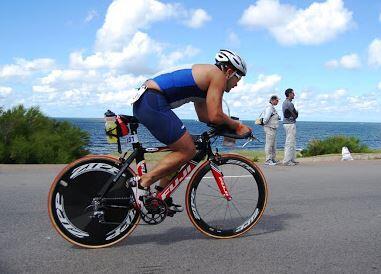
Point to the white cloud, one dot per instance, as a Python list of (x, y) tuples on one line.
[(141, 56), (363, 102), (248, 95), (91, 15), (122, 45), (125, 17), (267, 14), (74, 88), (336, 105), (337, 94), (350, 61), (43, 89), (198, 18), (23, 67), (170, 60), (133, 55), (63, 76), (379, 86), (374, 53), (319, 23), (119, 96), (4, 91)]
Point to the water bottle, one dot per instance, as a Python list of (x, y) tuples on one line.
[(110, 126)]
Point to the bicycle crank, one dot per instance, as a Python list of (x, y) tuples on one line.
[(155, 210)]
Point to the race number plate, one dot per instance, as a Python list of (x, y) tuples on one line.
[(133, 138)]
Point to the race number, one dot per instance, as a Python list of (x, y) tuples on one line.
[(133, 138)]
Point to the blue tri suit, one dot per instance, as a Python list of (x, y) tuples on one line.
[(154, 107)]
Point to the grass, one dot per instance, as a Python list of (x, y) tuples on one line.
[(254, 155)]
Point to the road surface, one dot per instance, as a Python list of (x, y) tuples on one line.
[(322, 217)]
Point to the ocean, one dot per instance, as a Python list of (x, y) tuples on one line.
[(368, 133)]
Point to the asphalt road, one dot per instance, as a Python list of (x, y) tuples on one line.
[(321, 217)]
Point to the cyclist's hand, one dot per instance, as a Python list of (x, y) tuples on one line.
[(242, 129)]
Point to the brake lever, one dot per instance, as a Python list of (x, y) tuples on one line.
[(251, 139)]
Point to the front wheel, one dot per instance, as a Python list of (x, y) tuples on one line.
[(215, 216), (76, 213)]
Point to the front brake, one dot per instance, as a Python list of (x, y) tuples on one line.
[(251, 139)]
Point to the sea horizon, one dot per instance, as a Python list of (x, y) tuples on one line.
[(369, 133), (194, 119)]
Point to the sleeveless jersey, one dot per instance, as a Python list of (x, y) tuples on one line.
[(179, 87)]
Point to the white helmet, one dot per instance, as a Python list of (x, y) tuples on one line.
[(230, 58)]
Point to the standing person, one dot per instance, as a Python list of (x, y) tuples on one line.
[(290, 114), (271, 123), (202, 84)]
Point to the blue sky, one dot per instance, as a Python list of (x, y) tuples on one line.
[(79, 58)]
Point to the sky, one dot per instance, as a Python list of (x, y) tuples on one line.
[(79, 58)]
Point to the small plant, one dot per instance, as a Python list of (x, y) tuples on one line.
[(334, 144), (255, 158), (28, 136)]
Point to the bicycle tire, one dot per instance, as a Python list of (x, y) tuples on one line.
[(237, 171), (73, 190)]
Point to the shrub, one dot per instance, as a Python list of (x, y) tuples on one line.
[(333, 145), (28, 136)]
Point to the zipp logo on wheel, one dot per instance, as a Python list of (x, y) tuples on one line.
[(93, 167), (65, 221)]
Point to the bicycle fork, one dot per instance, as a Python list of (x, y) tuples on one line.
[(219, 177)]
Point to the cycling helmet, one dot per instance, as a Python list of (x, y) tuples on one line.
[(230, 58)]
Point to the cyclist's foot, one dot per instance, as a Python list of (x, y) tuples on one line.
[(172, 207), (295, 162), (140, 192)]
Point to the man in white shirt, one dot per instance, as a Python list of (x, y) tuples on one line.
[(271, 123)]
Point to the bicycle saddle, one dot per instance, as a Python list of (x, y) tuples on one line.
[(129, 119)]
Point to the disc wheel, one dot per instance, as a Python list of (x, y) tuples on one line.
[(71, 203)]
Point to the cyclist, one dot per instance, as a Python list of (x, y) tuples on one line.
[(203, 84)]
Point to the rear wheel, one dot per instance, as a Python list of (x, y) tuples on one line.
[(78, 217), (211, 212)]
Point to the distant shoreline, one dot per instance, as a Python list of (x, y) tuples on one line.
[(301, 121)]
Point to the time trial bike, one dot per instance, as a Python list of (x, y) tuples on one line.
[(91, 201)]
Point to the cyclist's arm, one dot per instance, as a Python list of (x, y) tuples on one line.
[(214, 103), (201, 111)]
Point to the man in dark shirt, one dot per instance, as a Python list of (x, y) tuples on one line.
[(290, 114)]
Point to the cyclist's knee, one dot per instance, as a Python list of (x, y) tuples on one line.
[(185, 146), (190, 151)]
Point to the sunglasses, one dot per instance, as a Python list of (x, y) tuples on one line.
[(237, 75)]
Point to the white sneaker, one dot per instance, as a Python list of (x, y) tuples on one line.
[(139, 191), (290, 163), (270, 163)]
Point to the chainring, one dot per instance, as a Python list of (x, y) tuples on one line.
[(155, 210)]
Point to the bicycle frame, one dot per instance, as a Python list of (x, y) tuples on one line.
[(204, 149)]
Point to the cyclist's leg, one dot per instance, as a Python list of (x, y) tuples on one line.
[(183, 151), (154, 112)]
